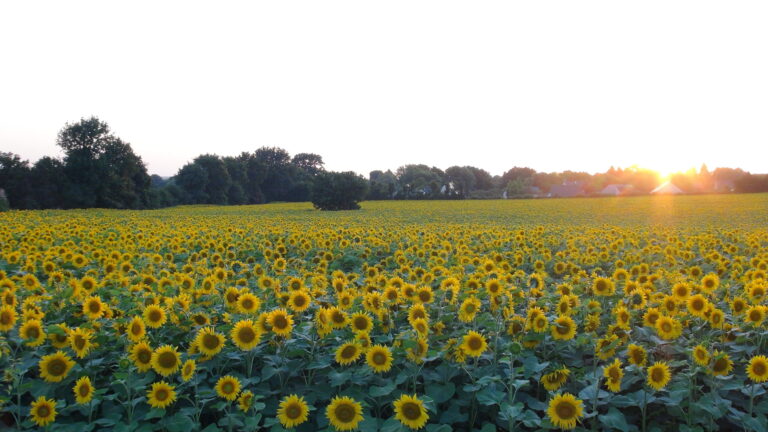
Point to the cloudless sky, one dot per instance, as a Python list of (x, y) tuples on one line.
[(553, 85)]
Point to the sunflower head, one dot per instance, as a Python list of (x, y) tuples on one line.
[(410, 411), (55, 367), (43, 411), (658, 375), (161, 394), (379, 358), (166, 360), (757, 369), (83, 390), (209, 342), (344, 413), (228, 387), (565, 410), (292, 411)]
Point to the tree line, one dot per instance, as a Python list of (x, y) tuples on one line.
[(98, 169)]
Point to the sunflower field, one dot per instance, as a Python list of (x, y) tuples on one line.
[(630, 314)]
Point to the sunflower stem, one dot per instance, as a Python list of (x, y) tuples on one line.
[(751, 399), (644, 408)]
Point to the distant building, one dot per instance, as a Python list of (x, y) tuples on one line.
[(667, 188), (616, 189), (567, 190)]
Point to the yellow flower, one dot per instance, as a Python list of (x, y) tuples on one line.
[(281, 322), (32, 332), (292, 411), (161, 395), (344, 413), (43, 411), (469, 308), (361, 322), (209, 342), (55, 367), (613, 375), (93, 308), (154, 316), (80, 341), (379, 358), (348, 353), (554, 380), (701, 355), (136, 329), (474, 344), (565, 410), (141, 356), (8, 317), (228, 387), (245, 335), (603, 287), (410, 411), (721, 363), (757, 370), (245, 400), (299, 301), (564, 328), (659, 375), (188, 369), (248, 303), (83, 390), (166, 360), (637, 355), (668, 328)]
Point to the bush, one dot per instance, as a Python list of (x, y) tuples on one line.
[(338, 191)]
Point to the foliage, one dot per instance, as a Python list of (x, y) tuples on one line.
[(392, 263), (338, 191)]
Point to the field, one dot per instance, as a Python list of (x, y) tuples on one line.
[(627, 314)]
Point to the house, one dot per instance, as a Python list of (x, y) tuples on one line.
[(667, 188), (567, 190), (616, 189)]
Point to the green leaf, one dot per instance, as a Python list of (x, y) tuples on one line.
[(614, 419), (439, 428), (490, 396), (377, 391), (392, 425), (440, 393)]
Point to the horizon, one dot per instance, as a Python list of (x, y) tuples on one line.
[(581, 87)]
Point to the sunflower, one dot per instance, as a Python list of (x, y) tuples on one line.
[(188, 370), (658, 375), (757, 370), (292, 411), (421, 326), (8, 317), (338, 318), (59, 337), (141, 356), (32, 332), (701, 355), (564, 328), (554, 380), (93, 307), (637, 355), (281, 322), (474, 344), (154, 316), (603, 287), (697, 305), (468, 309), (721, 363), (410, 411), (136, 329), (160, 395), (209, 342), (55, 367), (348, 353), (245, 335), (417, 353), (80, 341), (565, 410), (228, 387), (379, 358), (668, 328), (43, 411), (83, 390), (245, 400), (710, 283), (613, 375), (755, 315), (344, 413), (361, 322), (248, 303), (166, 360), (539, 323), (299, 301)]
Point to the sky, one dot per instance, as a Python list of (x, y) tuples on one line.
[(553, 85)]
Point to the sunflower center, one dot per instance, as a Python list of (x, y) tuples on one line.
[(563, 328), (43, 411), (246, 335), (210, 341), (657, 375), (345, 413), (94, 307), (136, 329), (167, 359), (280, 322), (155, 316), (228, 387), (144, 356), (361, 323), (470, 308), (299, 301), (79, 342), (613, 373), (33, 333), (565, 410), (754, 316), (475, 343), (57, 367), (247, 304), (83, 390), (720, 365), (667, 327), (411, 410), (348, 352), (293, 412), (161, 394), (5, 318), (379, 358)]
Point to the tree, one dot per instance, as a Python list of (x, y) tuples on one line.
[(310, 163), (461, 180), (14, 178), (279, 178), (382, 185), (193, 179), (338, 191), (46, 182)]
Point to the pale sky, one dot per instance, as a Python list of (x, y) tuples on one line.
[(553, 85)]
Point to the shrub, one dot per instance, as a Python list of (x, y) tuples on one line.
[(338, 191)]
